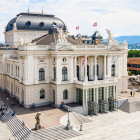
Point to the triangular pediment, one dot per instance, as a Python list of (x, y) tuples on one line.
[(66, 48), (114, 48)]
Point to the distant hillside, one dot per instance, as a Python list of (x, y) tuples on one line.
[(129, 39)]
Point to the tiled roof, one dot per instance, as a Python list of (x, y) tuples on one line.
[(51, 38), (133, 61)]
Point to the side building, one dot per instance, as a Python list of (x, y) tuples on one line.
[(54, 68)]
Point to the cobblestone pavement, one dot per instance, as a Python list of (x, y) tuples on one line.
[(115, 125), (50, 116), (5, 133)]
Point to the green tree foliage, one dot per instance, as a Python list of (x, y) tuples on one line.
[(134, 53)]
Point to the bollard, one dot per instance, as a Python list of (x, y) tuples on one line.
[(81, 127)]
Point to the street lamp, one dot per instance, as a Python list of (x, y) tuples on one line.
[(69, 127)]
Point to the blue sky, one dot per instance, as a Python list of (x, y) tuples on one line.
[(121, 16)]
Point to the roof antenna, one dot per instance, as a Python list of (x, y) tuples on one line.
[(28, 8), (42, 9)]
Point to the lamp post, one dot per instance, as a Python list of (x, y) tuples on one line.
[(69, 127)]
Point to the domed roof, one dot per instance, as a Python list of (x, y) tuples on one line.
[(34, 21)]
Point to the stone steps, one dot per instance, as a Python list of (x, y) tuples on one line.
[(54, 133), (15, 125), (75, 119)]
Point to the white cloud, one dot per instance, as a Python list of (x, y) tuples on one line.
[(122, 17)]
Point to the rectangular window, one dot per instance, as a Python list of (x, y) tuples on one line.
[(90, 95), (111, 92), (79, 95), (138, 65), (101, 93)]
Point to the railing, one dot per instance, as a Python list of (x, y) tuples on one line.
[(109, 80)]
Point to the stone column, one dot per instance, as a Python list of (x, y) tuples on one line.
[(91, 69), (20, 70), (81, 69), (94, 94), (96, 77), (75, 68), (104, 66), (86, 97), (118, 66), (107, 94), (85, 78), (25, 70), (115, 95), (71, 69), (97, 95), (83, 98), (58, 70), (109, 66)]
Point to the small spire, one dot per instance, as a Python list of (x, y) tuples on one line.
[(28, 8), (42, 9)]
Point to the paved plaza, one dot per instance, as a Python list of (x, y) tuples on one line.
[(5, 133), (131, 98), (50, 116), (115, 125)]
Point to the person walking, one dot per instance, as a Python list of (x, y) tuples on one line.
[(134, 94), (131, 93), (23, 124), (13, 114)]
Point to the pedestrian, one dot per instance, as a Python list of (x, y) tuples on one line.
[(134, 94), (23, 124), (2, 113), (14, 113), (6, 108), (62, 103), (131, 93)]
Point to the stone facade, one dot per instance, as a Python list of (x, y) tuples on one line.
[(45, 74)]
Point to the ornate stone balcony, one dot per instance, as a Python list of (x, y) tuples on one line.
[(97, 82)]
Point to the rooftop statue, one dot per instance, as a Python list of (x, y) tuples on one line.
[(61, 36), (110, 37), (124, 43)]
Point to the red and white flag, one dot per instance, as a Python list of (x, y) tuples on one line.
[(95, 24), (83, 60), (77, 28)]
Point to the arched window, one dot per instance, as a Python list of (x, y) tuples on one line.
[(113, 70), (54, 71), (41, 74), (64, 74), (65, 94), (42, 94), (28, 23), (64, 59), (41, 24)]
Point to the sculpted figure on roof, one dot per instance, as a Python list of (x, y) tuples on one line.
[(61, 36), (110, 37)]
